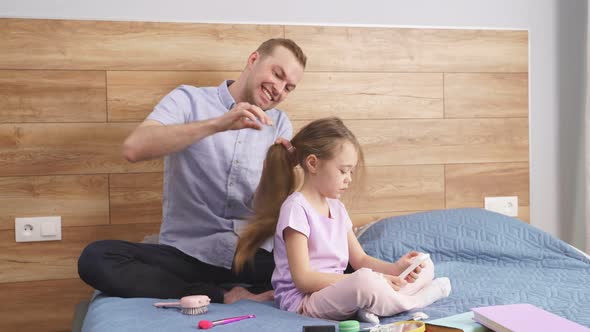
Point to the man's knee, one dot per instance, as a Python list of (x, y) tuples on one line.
[(90, 259)]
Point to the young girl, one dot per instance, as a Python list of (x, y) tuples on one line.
[(313, 237)]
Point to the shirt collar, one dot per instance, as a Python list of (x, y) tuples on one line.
[(224, 96)]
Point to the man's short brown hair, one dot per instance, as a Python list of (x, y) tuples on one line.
[(268, 47)]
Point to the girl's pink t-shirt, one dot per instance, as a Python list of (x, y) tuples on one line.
[(326, 239)]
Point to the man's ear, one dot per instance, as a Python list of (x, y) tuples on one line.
[(312, 163), (254, 56)]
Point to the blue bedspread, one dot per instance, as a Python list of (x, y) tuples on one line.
[(490, 259)]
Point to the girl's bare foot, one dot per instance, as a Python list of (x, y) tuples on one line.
[(240, 293)]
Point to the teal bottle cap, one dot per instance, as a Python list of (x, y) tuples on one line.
[(349, 326)]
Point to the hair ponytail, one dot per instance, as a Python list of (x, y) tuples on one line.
[(276, 184), (321, 138)]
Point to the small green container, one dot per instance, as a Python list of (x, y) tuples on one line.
[(349, 326)]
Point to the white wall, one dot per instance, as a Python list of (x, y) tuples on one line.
[(557, 43)]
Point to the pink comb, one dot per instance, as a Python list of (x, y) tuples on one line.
[(190, 305), (207, 324)]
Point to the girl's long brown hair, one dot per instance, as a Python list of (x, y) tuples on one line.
[(322, 138)]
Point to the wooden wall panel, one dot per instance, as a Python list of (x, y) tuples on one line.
[(412, 142), (133, 94), (43, 149), (103, 45), (80, 200), (136, 198), (423, 102), (41, 305), (468, 185), (524, 213), (361, 219), (398, 142), (58, 259), (399, 188), (366, 96), (52, 96), (411, 50), (488, 95)]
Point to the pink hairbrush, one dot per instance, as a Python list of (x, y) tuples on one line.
[(207, 324), (190, 305)]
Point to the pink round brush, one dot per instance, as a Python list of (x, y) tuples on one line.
[(190, 305), (207, 324)]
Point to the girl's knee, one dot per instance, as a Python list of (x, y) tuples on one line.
[(364, 278), (425, 277), (367, 284), (427, 272)]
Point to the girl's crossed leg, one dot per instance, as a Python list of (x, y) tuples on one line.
[(368, 291)]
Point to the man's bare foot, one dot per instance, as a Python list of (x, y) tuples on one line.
[(240, 293)]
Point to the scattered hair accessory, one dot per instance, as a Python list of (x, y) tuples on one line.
[(207, 324), (286, 143), (290, 149), (189, 305), (420, 316)]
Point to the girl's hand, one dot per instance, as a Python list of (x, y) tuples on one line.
[(395, 282), (405, 261)]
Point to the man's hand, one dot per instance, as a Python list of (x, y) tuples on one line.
[(243, 115)]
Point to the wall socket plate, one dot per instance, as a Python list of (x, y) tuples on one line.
[(507, 205), (35, 229)]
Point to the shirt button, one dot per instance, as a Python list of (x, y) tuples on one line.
[(236, 162), (239, 142), (231, 184)]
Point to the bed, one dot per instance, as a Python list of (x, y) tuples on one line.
[(490, 259)]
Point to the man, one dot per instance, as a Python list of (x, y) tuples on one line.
[(214, 141)]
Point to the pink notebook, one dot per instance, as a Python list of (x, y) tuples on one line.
[(523, 318)]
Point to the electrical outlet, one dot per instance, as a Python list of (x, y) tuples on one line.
[(507, 205), (37, 229)]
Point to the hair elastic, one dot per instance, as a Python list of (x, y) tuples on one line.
[(286, 143), (290, 149)]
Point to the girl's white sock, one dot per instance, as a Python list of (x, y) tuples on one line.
[(438, 289), (366, 316)]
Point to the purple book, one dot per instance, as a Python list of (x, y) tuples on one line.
[(523, 318)]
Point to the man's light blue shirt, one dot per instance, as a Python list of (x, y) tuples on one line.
[(209, 186)]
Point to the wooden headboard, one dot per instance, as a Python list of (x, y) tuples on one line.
[(442, 116)]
